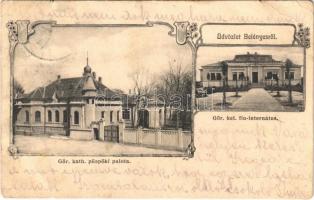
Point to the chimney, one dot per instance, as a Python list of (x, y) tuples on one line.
[(130, 91), (59, 78), (94, 75), (248, 53), (99, 79), (58, 81), (255, 53)]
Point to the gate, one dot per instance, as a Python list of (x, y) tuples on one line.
[(111, 133)]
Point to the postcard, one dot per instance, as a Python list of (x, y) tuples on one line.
[(139, 99)]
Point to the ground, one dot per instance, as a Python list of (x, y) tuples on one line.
[(212, 101), (256, 99), (297, 100), (44, 145)]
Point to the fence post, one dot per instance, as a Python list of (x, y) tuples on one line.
[(139, 135), (159, 139), (121, 131), (180, 137), (101, 131)]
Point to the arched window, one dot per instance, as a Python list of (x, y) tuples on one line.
[(208, 76), (118, 116), (102, 114), (65, 116), (57, 116), (126, 114), (160, 117), (49, 116), (37, 116), (26, 116), (111, 116), (76, 117)]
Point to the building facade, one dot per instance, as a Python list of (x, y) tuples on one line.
[(255, 69), (153, 113), (72, 107)]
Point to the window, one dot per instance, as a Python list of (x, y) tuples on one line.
[(65, 116), (49, 116), (118, 117), (37, 116), (57, 116), (218, 76), (160, 117), (111, 115), (234, 76), (212, 76), (208, 76), (269, 75), (291, 75), (126, 114), (241, 76), (93, 101), (102, 114), (76, 117), (275, 76), (26, 117)]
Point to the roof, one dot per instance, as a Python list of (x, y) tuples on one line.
[(132, 100), (250, 59), (67, 88)]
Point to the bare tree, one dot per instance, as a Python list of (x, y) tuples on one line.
[(142, 81), (175, 87), (143, 85), (289, 64), (224, 67), (17, 89)]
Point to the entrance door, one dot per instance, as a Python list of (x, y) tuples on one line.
[(96, 134), (254, 77), (143, 116), (111, 133)]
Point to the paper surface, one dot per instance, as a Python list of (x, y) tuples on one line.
[(152, 121)]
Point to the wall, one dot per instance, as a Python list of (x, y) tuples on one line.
[(157, 138), (82, 134), (107, 109), (27, 129)]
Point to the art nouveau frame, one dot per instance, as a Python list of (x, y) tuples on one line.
[(300, 39), (186, 33), (21, 30)]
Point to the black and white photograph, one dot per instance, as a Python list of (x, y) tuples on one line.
[(265, 79), (102, 92)]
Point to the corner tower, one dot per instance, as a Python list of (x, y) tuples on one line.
[(89, 93)]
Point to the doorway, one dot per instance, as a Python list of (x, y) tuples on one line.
[(254, 77), (143, 117), (96, 133)]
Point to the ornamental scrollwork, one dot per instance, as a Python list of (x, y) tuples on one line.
[(186, 32), (13, 150), (13, 32), (303, 36)]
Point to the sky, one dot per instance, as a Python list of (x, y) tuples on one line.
[(114, 54), (209, 55)]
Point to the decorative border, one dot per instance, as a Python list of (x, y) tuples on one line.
[(186, 33), (300, 39), (21, 30)]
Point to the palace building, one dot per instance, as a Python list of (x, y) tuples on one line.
[(73, 107), (255, 69)]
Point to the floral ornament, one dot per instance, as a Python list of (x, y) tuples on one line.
[(190, 150), (192, 30), (302, 36), (12, 26), (13, 150)]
